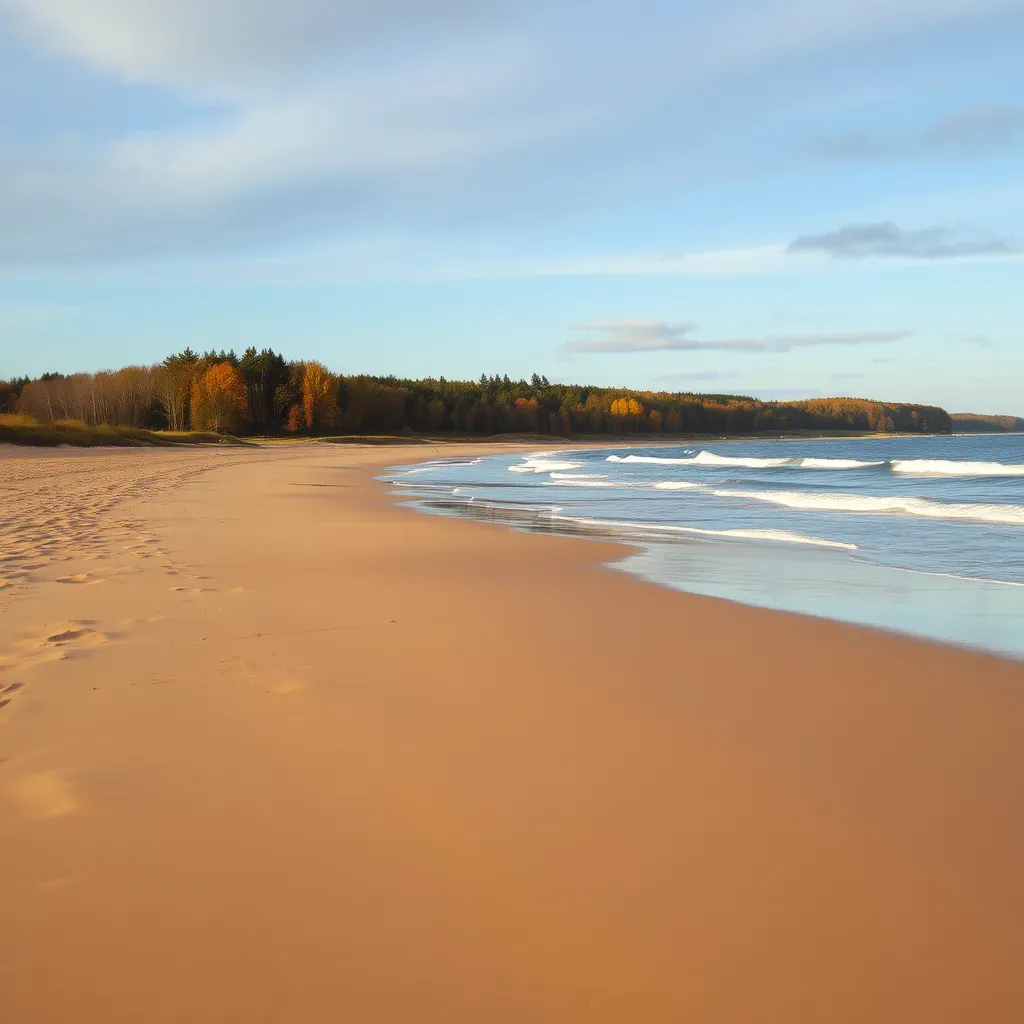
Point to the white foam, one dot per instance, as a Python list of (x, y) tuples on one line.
[(711, 459), (836, 464), (706, 459), (1012, 515), (780, 536), (429, 467), (537, 464), (578, 476), (942, 467), (678, 485), (652, 459), (570, 481)]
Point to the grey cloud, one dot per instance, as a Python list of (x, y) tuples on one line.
[(631, 336), (886, 239), (978, 128), (972, 131)]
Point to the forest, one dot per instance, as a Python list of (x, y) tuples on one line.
[(261, 394), (976, 423)]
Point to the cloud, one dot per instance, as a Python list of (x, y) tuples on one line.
[(312, 119), (631, 336), (231, 48), (978, 128), (970, 132), (886, 240)]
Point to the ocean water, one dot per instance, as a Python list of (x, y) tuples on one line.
[(918, 534)]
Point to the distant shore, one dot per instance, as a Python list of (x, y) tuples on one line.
[(274, 747)]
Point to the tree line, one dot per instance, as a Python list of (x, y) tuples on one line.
[(261, 393), (976, 423)]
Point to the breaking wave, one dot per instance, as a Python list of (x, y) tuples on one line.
[(778, 536), (948, 467), (1012, 515)]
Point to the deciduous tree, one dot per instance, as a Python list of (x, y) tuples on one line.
[(218, 399)]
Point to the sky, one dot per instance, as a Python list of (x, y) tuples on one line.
[(779, 198)]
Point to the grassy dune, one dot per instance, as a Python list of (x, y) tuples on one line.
[(16, 428)]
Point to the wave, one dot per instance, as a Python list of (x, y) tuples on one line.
[(942, 467), (428, 467), (1011, 515), (678, 485), (779, 536), (555, 475), (701, 459), (712, 460), (571, 481), (542, 464), (836, 464), (653, 460)]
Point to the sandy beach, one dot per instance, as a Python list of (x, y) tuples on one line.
[(274, 748)]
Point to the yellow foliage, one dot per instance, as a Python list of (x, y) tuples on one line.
[(218, 398), (625, 407), (319, 396)]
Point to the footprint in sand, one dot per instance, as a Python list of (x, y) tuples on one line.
[(55, 642), (83, 577)]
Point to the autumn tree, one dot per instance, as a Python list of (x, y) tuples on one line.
[(218, 399), (319, 396)]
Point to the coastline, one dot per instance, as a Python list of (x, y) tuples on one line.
[(315, 755)]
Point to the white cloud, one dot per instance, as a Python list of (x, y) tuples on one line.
[(234, 47), (321, 116), (632, 336)]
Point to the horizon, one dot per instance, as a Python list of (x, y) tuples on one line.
[(769, 200)]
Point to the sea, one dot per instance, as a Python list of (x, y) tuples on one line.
[(922, 535)]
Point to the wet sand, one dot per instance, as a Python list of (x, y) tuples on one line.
[(273, 748)]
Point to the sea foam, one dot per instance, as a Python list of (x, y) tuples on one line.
[(542, 463), (777, 536), (835, 464), (946, 467), (1012, 515), (711, 460)]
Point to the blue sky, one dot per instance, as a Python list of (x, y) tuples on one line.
[(777, 198)]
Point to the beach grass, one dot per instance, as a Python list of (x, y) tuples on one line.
[(17, 428)]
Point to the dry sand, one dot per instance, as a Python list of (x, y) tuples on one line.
[(275, 749)]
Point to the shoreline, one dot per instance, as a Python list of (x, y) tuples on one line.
[(315, 755), (657, 559)]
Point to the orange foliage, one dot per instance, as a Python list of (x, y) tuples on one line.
[(296, 419), (218, 398)]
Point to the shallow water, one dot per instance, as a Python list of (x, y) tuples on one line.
[(919, 534)]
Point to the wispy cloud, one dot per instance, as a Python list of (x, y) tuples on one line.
[(312, 119), (970, 132), (632, 336), (886, 240), (978, 129)]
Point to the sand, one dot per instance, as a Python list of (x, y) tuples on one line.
[(273, 748)]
